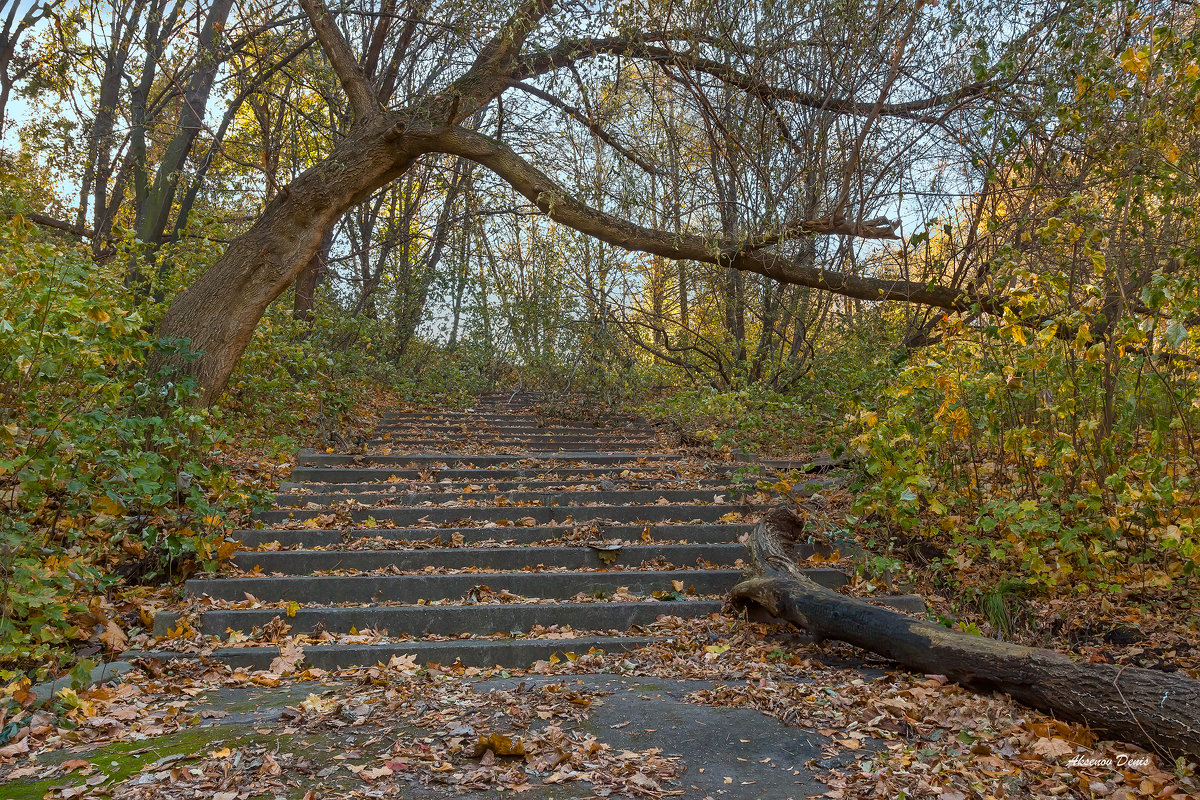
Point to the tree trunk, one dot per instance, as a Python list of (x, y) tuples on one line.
[(309, 279), (1157, 710), (155, 211), (219, 311), (104, 209)]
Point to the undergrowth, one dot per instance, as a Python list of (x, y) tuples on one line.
[(111, 477)]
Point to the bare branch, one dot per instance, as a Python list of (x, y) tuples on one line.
[(587, 121)]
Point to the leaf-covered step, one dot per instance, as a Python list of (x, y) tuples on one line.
[(470, 652), (456, 619), (435, 586), (615, 496), (304, 562), (523, 515), (433, 472), (326, 537), (457, 460)]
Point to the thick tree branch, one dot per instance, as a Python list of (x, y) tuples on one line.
[(46, 221), (641, 47), (561, 207), (490, 73), (354, 82)]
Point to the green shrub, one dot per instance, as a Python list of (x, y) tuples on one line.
[(96, 457)]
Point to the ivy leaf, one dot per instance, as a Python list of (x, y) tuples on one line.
[(1176, 333)]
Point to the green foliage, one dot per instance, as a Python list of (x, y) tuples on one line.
[(761, 419), (1039, 454), (94, 454), (755, 418), (1057, 441)]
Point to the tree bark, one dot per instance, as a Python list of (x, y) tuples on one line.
[(1157, 710), (219, 311), (217, 314), (155, 210), (309, 280)]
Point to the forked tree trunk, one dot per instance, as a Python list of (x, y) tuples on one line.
[(217, 314), (1157, 710)]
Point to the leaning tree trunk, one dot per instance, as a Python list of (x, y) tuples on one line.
[(1157, 710), (217, 314)]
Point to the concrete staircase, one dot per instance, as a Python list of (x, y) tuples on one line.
[(465, 535)]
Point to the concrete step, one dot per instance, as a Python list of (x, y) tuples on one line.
[(305, 562), (475, 435), (538, 514), (453, 620), (724, 532), (582, 483), (470, 652), (481, 415), (544, 446), (458, 460), (563, 498), (355, 474), (474, 618), (531, 438), (433, 586), (515, 429)]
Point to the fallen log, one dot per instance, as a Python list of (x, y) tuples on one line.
[(1157, 710)]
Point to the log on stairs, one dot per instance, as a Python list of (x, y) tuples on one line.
[(1157, 710)]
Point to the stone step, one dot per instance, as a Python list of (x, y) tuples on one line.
[(563, 498), (311, 459), (470, 652), (452, 620), (384, 487), (546, 446), (474, 618), (602, 439), (531, 438), (508, 394), (453, 417), (515, 429), (305, 562), (355, 474), (538, 514), (314, 537), (433, 586)]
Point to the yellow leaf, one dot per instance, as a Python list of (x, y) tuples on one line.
[(98, 315), (114, 637), (106, 505), (500, 744), (1135, 63)]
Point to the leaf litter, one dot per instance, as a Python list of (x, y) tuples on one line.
[(914, 735)]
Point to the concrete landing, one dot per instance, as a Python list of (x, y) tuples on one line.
[(722, 752)]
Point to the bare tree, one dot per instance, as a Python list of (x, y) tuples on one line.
[(881, 113)]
